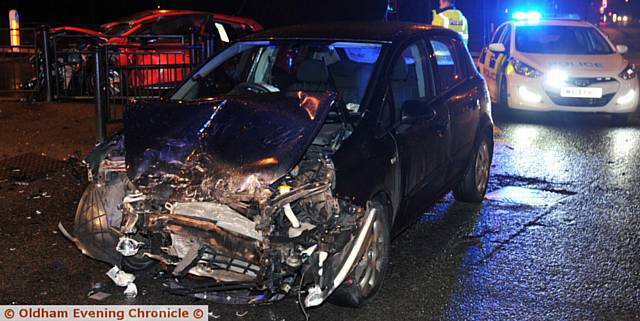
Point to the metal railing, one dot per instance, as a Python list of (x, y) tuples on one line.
[(67, 67), (138, 69), (142, 67)]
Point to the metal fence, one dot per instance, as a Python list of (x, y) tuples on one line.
[(62, 67), (135, 67), (68, 67)]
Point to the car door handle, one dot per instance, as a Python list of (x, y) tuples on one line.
[(441, 127)]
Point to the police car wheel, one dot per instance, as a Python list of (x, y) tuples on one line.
[(503, 94)]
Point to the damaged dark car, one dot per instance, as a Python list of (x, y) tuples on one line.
[(286, 163)]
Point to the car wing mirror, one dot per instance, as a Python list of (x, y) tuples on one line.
[(414, 111), (497, 47), (622, 49)]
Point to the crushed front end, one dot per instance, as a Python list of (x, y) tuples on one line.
[(235, 198)]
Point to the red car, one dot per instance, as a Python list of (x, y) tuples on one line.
[(170, 22), (155, 38)]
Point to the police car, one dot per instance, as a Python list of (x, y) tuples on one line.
[(558, 65)]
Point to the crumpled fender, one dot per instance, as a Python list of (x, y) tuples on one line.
[(96, 213)]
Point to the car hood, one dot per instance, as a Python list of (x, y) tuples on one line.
[(235, 140), (578, 65)]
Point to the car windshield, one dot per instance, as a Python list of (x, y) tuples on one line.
[(283, 66), (563, 40)]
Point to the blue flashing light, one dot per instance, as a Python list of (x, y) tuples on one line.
[(528, 16)]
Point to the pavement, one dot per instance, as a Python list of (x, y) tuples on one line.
[(556, 239)]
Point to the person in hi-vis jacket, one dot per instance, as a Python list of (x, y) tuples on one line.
[(450, 17)]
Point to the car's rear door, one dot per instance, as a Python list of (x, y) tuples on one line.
[(460, 89)]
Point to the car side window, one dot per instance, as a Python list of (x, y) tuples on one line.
[(409, 76), (447, 64), (506, 40), (497, 34)]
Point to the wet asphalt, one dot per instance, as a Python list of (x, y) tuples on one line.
[(561, 242)]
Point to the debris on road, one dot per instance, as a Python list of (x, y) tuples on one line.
[(124, 279), (131, 290), (98, 296), (119, 277)]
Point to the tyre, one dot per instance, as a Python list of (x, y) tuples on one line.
[(473, 187), (503, 95), (366, 279), (620, 119)]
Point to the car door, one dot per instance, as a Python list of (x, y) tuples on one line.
[(459, 89), (488, 61), (503, 60), (422, 144)]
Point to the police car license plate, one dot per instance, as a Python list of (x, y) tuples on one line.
[(578, 92)]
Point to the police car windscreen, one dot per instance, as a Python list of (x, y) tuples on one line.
[(564, 40)]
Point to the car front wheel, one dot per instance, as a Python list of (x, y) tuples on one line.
[(365, 280), (473, 187)]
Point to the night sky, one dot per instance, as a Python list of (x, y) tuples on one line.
[(483, 15), (279, 12), (267, 12)]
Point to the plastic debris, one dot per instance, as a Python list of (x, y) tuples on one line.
[(238, 314), (98, 296), (131, 290), (39, 194), (38, 212), (214, 316), (119, 277)]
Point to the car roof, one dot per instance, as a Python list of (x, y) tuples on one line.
[(148, 15), (376, 31), (555, 22)]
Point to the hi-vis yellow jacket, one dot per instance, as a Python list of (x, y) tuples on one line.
[(452, 19)]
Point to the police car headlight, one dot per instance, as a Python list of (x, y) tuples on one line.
[(629, 73), (627, 98), (523, 69)]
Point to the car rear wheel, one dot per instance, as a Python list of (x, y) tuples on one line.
[(473, 187), (366, 279)]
